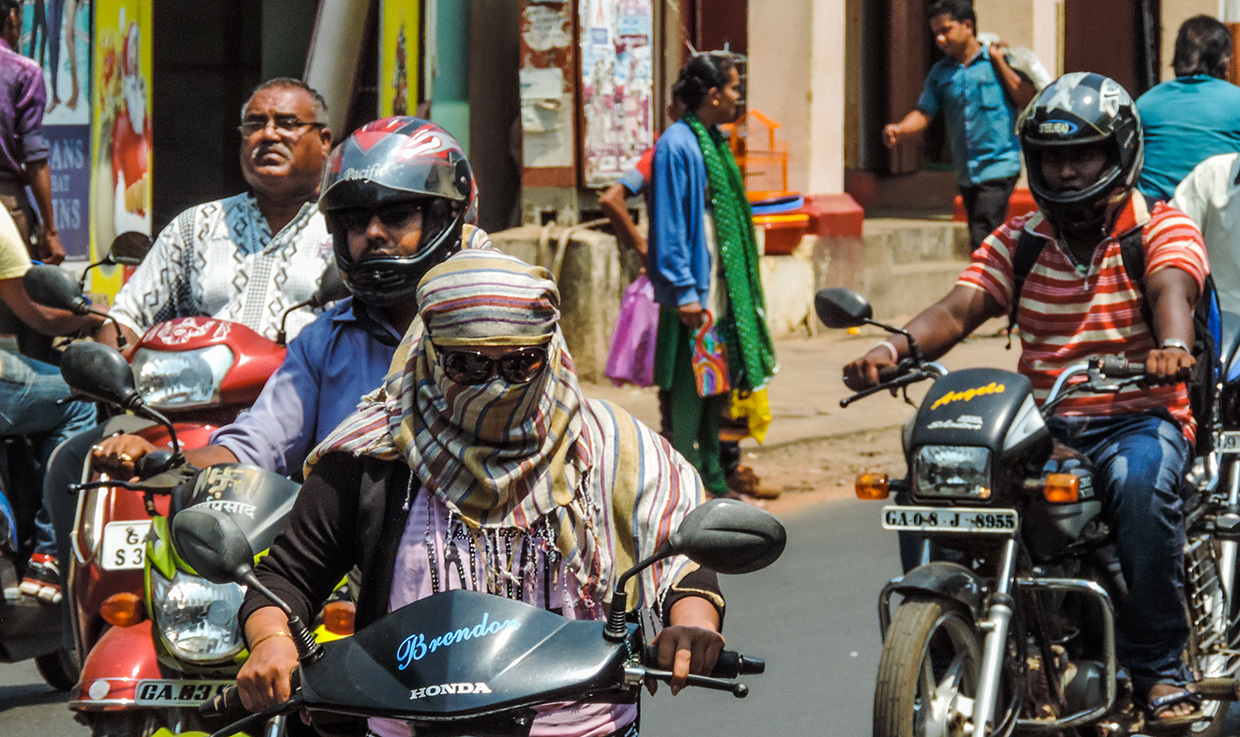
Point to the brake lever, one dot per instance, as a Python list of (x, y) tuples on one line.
[(898, 383), (739, 690)]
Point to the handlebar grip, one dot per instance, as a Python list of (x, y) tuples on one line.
[(730, 664), (1119, 367), (153, 463), (889, 373), (227, 704)]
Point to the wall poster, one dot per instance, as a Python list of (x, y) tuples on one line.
[(617, 86), (56, 34), (400, 34), (547, 113), (121, 177)]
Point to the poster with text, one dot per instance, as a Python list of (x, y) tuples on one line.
[(121, 175), (399, 46), (56, 34), (617, 86)]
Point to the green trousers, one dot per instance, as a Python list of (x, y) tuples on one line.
[(695, 421)]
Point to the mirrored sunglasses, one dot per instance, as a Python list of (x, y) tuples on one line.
[(516, 367)]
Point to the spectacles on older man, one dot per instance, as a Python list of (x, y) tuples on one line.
[(289, 125)]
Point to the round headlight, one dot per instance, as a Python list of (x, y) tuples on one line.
[(197, 619), (181, 379)]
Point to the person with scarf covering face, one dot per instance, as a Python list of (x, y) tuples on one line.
[(479, 465), (703, 259)]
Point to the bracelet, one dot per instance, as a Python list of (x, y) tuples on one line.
[(891, 348), (265, 638), (1176, 343)]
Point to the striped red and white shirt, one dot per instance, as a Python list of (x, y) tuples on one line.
[(1066, 316)]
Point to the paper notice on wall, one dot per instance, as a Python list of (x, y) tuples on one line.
[(542, 83), (546, 28), (547, 131)]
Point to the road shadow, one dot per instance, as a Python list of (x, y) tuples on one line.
[(30, 694)]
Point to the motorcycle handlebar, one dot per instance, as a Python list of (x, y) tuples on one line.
[(730, 664), (227, 704)]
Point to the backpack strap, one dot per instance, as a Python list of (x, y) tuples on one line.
[(1028, 247)]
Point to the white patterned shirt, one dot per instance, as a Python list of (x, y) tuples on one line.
[(220, 260)]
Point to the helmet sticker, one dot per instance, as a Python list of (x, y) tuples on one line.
[(1064, 87), (1058, 127), (422, 142)]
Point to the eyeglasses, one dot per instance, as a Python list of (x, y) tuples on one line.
[(516, 367), (288, 125), (392, 216)]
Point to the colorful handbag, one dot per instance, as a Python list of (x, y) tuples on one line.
[(710, 360), (631, 358)]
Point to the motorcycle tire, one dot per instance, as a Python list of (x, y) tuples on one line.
[(932, 655), (1208, 653), (59, 669)]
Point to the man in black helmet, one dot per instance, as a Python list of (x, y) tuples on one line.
[(396, 196), (1082, 144)]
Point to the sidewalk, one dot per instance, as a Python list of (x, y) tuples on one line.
[(806, 393)]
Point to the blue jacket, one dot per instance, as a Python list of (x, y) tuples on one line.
[(678, 261)]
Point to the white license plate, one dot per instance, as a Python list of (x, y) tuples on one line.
[(154, 692), (1229, 442), (950, 519), (124, 545)]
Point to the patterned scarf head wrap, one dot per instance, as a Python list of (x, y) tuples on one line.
[(500, 456)]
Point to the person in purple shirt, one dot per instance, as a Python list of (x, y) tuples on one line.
[(24, 150), (383, 225)]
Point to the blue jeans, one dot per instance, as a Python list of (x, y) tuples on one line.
[(28, 393), (1140, 459)]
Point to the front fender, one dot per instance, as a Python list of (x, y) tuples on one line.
[(122, 657), (942, 578)]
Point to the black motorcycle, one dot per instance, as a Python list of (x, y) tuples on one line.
[(467, 663), (1006, 624)]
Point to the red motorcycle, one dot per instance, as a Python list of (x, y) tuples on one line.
[(200, 373)]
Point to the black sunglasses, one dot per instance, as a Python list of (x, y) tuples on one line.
[(392, 216), (516, 367)]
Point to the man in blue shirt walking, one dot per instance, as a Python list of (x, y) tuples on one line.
[(980, 96), (1188, 119)]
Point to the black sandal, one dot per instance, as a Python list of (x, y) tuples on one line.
[(1157, 706)]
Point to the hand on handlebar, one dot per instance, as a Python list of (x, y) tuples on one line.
[(1168, 365), (116, 455), (686, 650), (265, 679), (863, 373)]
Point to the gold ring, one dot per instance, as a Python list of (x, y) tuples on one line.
[(126, 457)]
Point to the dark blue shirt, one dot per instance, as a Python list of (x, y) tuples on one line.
[(331, 363), (679, 260), (981, 118), (1185, 121)]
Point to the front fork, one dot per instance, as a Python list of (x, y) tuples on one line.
[(1228, 548), (994, 650)]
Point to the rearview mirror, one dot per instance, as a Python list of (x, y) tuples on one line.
[(129, 249), (838, 307), (51, 286), (101, 373), (211, 542), (730, 536)]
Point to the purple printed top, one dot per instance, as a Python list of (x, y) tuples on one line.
[(22, 101)]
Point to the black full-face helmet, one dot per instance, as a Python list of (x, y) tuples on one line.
[(399, 159), (1077, 110)]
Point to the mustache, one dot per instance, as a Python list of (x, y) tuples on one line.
[(272, 147)]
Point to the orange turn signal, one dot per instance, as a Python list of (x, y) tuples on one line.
[(873, 486), (122, 610), (338, 617), (1062, 488)]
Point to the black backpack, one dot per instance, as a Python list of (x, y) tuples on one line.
[(1207, 323)]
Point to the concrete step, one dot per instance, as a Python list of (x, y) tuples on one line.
[(896, 241), (905, 290)]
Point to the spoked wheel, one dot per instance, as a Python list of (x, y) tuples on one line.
[(1210, 653), (928, 672)]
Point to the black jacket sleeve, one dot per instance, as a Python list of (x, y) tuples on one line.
[(703, 583), (318, 544)]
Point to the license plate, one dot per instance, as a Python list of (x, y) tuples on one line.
[(950, 519), (1229, 442), (153, 692), (124, 545)]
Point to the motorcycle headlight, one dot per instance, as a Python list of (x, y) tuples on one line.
[(197, 619), (952, 472), (168, 380)]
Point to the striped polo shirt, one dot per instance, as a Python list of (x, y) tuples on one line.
[(1066, 316)]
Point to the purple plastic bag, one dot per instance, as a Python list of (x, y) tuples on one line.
[(631, 358)]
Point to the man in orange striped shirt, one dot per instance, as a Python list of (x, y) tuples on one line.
[(1082, 143)]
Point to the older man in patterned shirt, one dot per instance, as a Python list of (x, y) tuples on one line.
[(248, 257)]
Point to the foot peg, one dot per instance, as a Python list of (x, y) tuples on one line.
[(1218, 689)]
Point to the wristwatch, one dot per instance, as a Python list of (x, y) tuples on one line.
[(1175, 343)]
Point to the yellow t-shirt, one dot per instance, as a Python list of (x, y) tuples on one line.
[(14, 260)]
